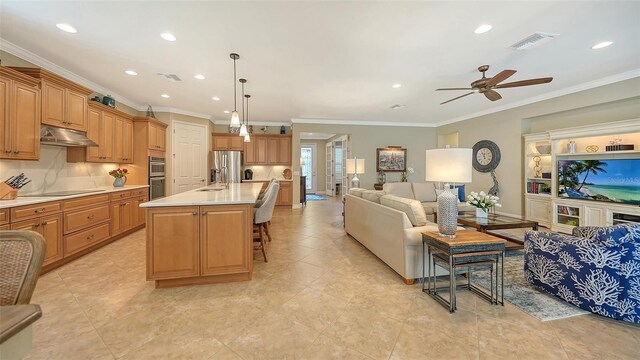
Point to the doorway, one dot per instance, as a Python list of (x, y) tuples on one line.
[(189, 160), (309, 166)]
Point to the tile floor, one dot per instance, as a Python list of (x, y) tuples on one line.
[(321, 296)]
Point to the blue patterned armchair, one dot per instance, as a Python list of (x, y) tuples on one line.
[(596, 268)]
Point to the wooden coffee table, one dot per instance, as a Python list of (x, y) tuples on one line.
[(498, 222)]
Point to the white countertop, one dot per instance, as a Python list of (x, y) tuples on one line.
[(238, 193), (20, 201), (265, 180)]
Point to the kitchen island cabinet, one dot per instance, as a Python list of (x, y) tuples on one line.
[(201, 237)]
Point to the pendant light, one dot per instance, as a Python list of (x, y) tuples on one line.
[(235, 119), (247, 138), (243, 128)]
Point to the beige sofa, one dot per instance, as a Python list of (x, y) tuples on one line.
[(390, 227), (424, 192)]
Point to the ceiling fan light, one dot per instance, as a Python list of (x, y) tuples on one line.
[(247, 138), (243, 130), (235, 119)]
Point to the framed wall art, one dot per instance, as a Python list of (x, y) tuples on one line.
[(391, 159)]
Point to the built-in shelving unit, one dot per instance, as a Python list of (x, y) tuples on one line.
[(541, 154)]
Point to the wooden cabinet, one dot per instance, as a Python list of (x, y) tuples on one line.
[(4, 216), (199, 244), (227, 142), (121, 216), (50, 227), (268, 150), (285, 194), (112, 130), (138, 214), (223, 238), (63, 102), (19, 116), (84, 218), (83, 239), (173, 242), (33, 211), (157, 136)]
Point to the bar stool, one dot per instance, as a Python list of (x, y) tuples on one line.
[(262, 215)]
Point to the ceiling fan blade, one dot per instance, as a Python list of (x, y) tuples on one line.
[(454, 89), (500, 77), (492, 95), (525, 83), (456, 98)]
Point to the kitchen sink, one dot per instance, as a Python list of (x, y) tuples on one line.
[(211, 189)]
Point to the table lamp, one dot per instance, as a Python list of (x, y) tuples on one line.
[(355, 167), (449, 166)]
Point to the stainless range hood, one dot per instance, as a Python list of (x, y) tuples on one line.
[(50, 135)]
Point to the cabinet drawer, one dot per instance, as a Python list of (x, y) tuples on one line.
[(86, 238), (139, 192), (4, 227), (80, 219), (84, 202), (4, 216), (120, 195), (31, 211), (32, 225)]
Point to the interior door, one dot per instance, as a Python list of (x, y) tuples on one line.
[(308, 166), (329, 169), (189, 157)]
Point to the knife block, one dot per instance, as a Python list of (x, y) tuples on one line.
[(7, 192)]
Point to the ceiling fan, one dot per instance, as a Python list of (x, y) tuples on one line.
[(486, 85)]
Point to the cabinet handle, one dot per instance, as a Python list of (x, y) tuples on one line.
[(90, 217), (45, 223), (36, 211), (16, 152), (8, 151), (90, 237), (36, 225), (43, 210), (194, 213)]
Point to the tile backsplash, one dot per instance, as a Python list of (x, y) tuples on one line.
[(266, 172), (53, 173)]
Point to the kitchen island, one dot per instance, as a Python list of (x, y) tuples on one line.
[(201, 236)]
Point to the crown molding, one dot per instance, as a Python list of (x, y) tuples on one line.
[(254, 123), (165, 109), (360, 123), (48, 65), (554, 94)]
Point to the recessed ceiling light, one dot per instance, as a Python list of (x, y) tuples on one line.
[(131, 72), (601, 45), (396, 85), (215, 98), (397, 106), (168, 36), (482, 29), (66, 27), (199, 77), (165, 96), (226, 111)]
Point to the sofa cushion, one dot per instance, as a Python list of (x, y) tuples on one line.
[(411, 207), (401, 189), (373, 195), (424, 192), (430, 207), (356, 191), (462, 196), (618, 234)]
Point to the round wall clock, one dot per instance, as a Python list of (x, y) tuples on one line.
[(486, 156)]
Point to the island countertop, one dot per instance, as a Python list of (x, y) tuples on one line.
[(238, 193)]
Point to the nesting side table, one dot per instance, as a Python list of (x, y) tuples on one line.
[(468, 250)]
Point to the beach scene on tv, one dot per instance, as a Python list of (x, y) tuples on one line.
[(615, 180)]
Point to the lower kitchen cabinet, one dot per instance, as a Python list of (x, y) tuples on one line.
[(121, 216), (138, 214), (223, 235), (83, 239), (285, 194), (50, 227), (173, 242)]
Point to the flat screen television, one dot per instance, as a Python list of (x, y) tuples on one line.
[(611, 180)]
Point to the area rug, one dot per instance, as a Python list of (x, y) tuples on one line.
[(525, 296), (313, 197)]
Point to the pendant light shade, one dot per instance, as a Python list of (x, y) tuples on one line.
[(235, 118), (247, 138), (243, 127)]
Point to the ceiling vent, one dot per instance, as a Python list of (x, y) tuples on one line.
[(533, 40), (397, 106), (170, 77)]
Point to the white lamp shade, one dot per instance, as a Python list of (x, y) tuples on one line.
[(243, 130), (355, 166), (235, 119), (247, 138), (449, 165)]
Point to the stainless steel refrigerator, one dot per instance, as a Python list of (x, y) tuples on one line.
[(225, 164)]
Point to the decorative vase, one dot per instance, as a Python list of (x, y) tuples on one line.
[(119, 182), (480, 213)]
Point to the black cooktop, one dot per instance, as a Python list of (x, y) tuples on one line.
[(62, 193)]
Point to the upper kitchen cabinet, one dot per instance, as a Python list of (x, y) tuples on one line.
[(223, 141), (63, 102), (268, 150), (19, 116), (157, 136)]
